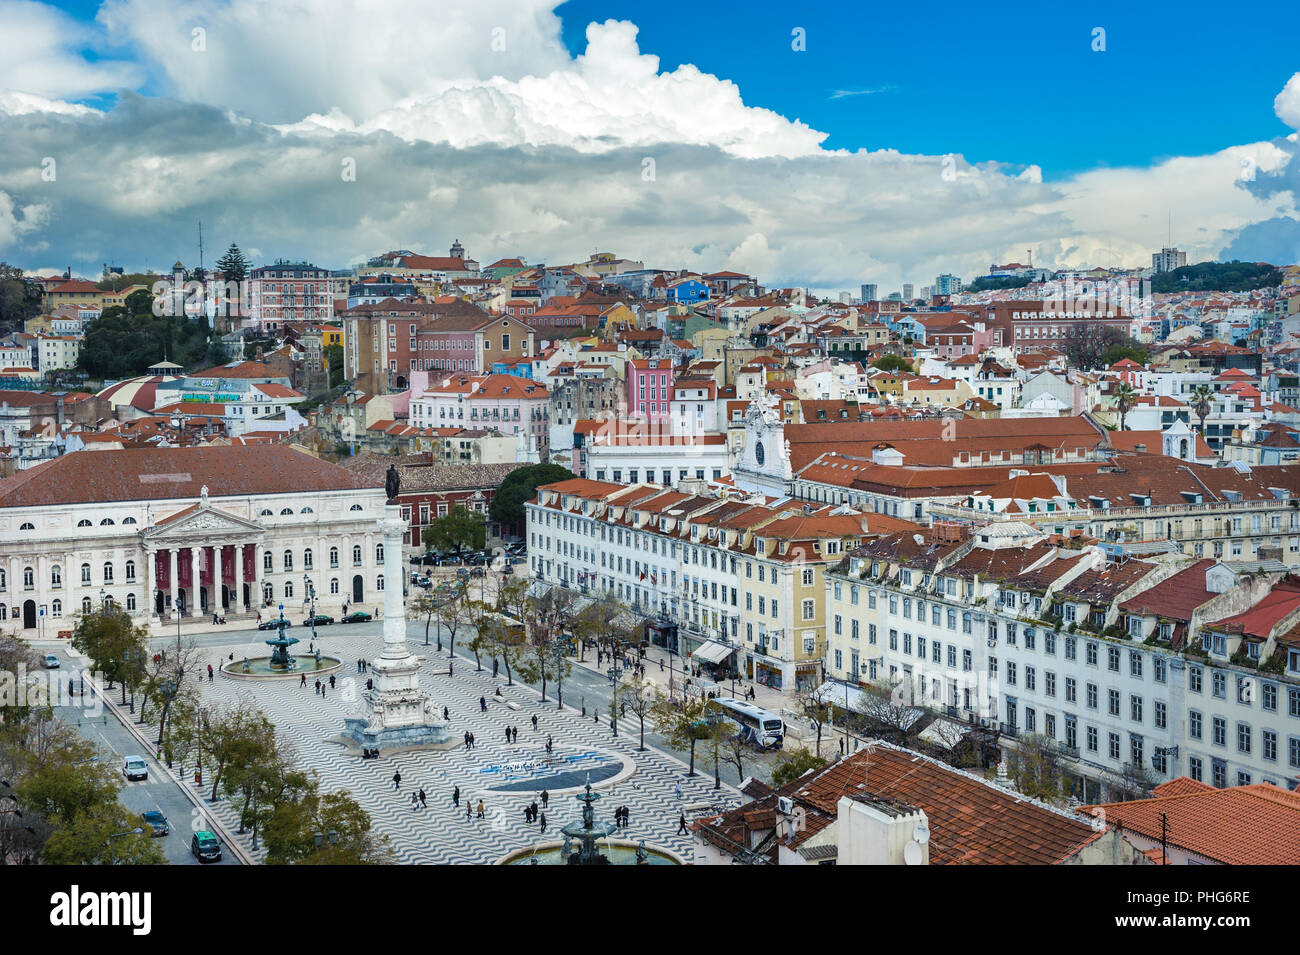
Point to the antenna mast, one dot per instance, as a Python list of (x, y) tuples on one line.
[(201, 272)]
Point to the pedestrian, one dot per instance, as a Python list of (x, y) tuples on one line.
[(597, 716), (681, 824), (469, 811), (546, 798), (322, 689), (467, 739), (259, 616), (534, 715), (424, 802), (549, 743), (318, 687), (311, 647), (528, 815), (455, 796), (415, 802), (543, 829), (482, 704), (514, 734), (446, 714), (331, 681), (480, 808), (661, 666), (397, 780), (471, 740), (532, 809), (507, 734), (495, 666), (841, 746), (303, 681), (627, 816), (210, 676), (679, 790)]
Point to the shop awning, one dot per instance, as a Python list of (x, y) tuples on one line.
[(713, 652)]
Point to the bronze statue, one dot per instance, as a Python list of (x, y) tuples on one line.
[(392, 482)]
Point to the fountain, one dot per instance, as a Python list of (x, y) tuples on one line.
[(280, 663), (586, 834)]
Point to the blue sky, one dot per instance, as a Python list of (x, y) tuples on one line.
[(823, 168), (1020, 85)]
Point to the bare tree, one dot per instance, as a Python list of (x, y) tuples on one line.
[(453, 614), (816, 704), (636, 696)]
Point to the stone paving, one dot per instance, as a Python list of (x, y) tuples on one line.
[(500, 773)]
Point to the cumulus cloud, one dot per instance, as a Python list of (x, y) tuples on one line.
[(40, 60), (480, 126), (1287, 103)]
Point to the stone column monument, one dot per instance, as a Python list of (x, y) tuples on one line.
[(398, 713)]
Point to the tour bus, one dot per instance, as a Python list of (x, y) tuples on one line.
[(761, 727)]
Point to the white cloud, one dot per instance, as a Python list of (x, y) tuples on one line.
[(1287, 103), (39, 57), (16, 222)]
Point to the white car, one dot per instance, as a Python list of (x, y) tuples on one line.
[(135, 768), (51, 662)]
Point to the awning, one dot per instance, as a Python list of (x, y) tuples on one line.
[(713, 652)]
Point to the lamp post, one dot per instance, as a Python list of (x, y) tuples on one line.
[(112, 857), (311, 596)]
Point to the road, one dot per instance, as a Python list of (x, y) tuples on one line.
[(114, 743)]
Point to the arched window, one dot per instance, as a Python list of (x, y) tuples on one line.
[(130, 570), (267, 512), (56, 608), (128, 520), (29, 578), (379, 553), (306, 559), (56, 576), (266, 561), (286, 510), (306, 510), (334, 585), (83, 523), (85, 574), (288, 588), (288, 560), (379, 582), (106, 522), (130, 601), (334, 556), (356, 556), (108, 572), (355, 507), (27, 526), (85, 605)]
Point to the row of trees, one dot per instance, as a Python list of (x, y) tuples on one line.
[(245, 759)]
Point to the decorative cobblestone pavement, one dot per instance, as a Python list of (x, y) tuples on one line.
[(503, 775)]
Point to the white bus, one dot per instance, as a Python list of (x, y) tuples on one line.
[(761, 727)]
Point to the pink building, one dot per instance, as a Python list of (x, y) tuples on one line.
[(502, 403), (649, 389)]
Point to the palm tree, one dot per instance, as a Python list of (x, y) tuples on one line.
[(1125, 399), (1201, 398)]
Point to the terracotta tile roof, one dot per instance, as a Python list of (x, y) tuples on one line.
[(1259, 620), (1176, 597), (1242, 825), (1101, 585), (141, 474)]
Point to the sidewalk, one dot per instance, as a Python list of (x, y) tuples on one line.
[(765, 696)]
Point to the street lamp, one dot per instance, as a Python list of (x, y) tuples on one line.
[(311, 595), (112, 858)]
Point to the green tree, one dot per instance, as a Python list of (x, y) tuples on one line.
[(328, 829), (682, 722), (334, 361), (94, 836), (456, 529), (1125, 396), (233, 264), (232, 738), (792, 764), (519, 487), (19, 298), (1202, 398), (116, 646), (892, 363), (1035, 766)]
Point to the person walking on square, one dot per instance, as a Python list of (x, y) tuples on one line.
[(397, 781), (455, 796), (331, 681), (467, 739), (543, 829), (678, 789), (415, 802), (480, 808), (681, 824), (210, 677), (303, 681), (550, 744), (534, 715), (318, 687), (546, 798), (528, 815), (482, 704), (424, 802), (469, 811), (446, 714)]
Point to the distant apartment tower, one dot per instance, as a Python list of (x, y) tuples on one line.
[(947, 284), (870, 293), (289, 292), (1166, 260), (907, 292)]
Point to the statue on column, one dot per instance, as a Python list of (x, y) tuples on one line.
[(392, 482)]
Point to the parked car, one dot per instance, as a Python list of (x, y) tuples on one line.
[(50, 661), (157, 822), (507, 571), (272, 624), (320, 620), (462, 572), (205, 846), (476, 571), (134, 767), (356, 616)]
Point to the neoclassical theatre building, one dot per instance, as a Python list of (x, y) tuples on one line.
[(199, 530)]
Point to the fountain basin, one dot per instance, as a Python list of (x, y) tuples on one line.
[(259, 668), (618, 851)]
